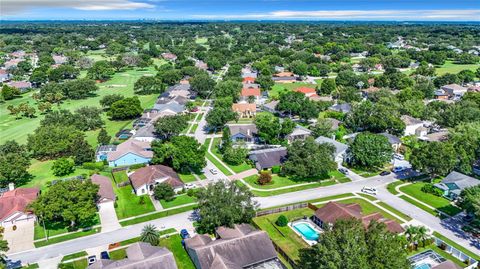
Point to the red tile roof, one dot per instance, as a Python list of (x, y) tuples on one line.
[(306, 90), (148, 175), (16, 200), (248, 80), (250, 92), (334, 211)]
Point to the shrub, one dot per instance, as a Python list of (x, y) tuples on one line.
[(276, 169), (163, 191), (282, 221), (191, 192), (141, 200), (264, 178), (137, 166), (429, 188), (62, 167), (93, 165)]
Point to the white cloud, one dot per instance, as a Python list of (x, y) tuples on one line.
[(13, 7), (460, 14)]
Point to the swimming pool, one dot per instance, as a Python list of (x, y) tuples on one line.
[(422, 266), (307, 231)]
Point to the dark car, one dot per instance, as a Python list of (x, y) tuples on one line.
[(343, 171), (385, 173), (104, 255), (184, 234), (468, 217)]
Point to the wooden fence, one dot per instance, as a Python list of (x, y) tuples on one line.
[(281, 209)]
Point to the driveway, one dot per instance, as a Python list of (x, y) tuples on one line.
[(108, 217), (22, 238)]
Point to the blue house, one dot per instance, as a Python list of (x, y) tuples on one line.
[(454, 183), (130, 152)]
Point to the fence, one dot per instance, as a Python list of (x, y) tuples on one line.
[(281, 209), (456, 253)]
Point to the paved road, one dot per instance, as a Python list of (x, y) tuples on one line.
[(178, 221)]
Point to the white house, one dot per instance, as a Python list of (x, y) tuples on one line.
[(411, 124), (144, 179)]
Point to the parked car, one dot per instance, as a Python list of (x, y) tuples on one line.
[(184, 234), (468, 217), (385, 173), (398, 156), (343, 171), (91, 259), (369, 190), (13, 264), (188, 186), (214, 171), (104, 255), (398, 169)]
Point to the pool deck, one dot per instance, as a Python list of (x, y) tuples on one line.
[(311, 224)]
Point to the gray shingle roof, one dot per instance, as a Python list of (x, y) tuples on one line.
[(339, 147), (461, 180), (344, 108), (268, 158), (244, 247), (140, 255), (247, 130), (391, 138)]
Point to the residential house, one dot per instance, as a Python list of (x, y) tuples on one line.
[(169, 56), (145, 133), (59, 59), (243, 133), (271, 106), (335, 123), (394, 141), (306, 91), (473, 89), (245, 110), (450, 91), (130, 152), (439, 136), (332, 212), (201, 65), (102, 151), (299, 133), (240, 247), (12, 63), (105, 192), (170, 106), (369, 91), (248, 80), (182, 89), (248, 72), (344, 108), (340, 148), (144, 179), (4, 75), (284, 77), (18, 54), (140, 255), (454, 183), (411, 125), (20, 85), (250, 91), (14, 205), (268, 158)]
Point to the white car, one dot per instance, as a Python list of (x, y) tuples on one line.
[(188, 186), (214, 171), (398, 169), (369, 190), (398, 156)]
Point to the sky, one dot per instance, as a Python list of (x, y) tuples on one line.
[(370, 10)]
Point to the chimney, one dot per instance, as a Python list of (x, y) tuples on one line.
[(11, 186)]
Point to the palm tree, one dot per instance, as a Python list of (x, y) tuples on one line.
[(411, 233), (150, 235), (422, 235)]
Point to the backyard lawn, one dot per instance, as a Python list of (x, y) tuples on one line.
[(279, 88), (42, 174), (174, 244), (129, 204), (437, 202), (178, 201), (120, 176), (284, 237)]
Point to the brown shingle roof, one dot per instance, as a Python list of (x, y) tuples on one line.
[(105, 192), (16, 200), (250, 92), (148, 175), (244, 107), (284, 74)]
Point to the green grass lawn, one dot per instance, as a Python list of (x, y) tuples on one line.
[(341, 178), (236, 168), (369, 197), (120, 83), (277, 182), (174, 244), (120, 176), (42, 174), (178, 200), (118, 254), (365, 173), (292, 189), (453, 68), (186, 178), (391, 187), (279, 88), (284, 237), (214, 161), (157, 215), (74, 255), (194, 128), (421, 206), (66, 237), (53, 230), (80, 264), (439, 203), (128, 203)]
